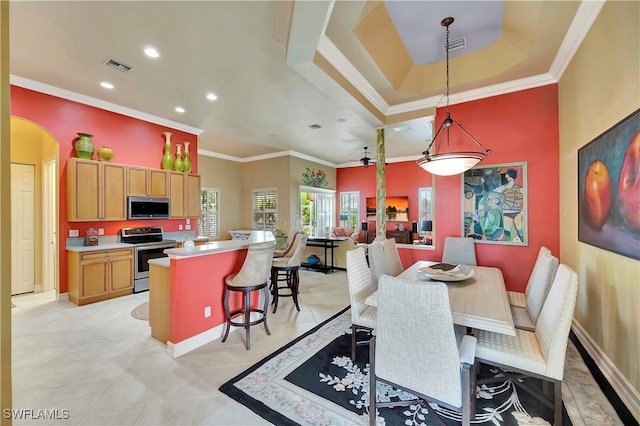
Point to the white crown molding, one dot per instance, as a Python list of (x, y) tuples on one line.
[(266, 157), (629, 396), (98, 103), (208, 153), (340, 62), (415, 105), (585, 16)]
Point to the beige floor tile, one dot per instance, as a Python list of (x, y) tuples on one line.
[(126, 416), (168, 413)]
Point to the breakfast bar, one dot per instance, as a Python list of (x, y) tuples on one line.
[(186, 291)]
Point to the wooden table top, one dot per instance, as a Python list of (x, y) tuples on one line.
[(479, 302)]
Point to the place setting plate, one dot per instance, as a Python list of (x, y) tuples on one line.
[(446, 272)]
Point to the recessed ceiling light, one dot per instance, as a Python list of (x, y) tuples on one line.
[(341, 120), (402, 128), (151, 52), (106, 85), (180, 110), (211, 96), (314, 126)]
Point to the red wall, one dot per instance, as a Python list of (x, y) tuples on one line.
[(521, 126), (134, 142)]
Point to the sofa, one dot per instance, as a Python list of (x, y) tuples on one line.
[(345, 231), (339, 253)]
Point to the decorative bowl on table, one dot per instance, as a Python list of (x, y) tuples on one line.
[(446, 272)]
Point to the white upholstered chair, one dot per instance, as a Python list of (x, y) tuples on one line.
[(416, 348), (286, 269), (459, 250), (252, 276), (288, 245), (526, 307), (393, 257), (363, 316), (377, 261), (540, 353)]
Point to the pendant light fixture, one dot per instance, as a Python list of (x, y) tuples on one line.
[(443, 161)]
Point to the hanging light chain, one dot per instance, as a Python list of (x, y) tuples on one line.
[(446, 48)]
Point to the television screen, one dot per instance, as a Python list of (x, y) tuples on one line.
[(396, 209)]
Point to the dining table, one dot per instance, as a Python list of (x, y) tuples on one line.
[(478, 302)]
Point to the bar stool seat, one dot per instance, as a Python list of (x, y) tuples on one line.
[(285, 270), (253, 276)]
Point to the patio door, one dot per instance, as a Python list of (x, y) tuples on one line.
[(318, 211)]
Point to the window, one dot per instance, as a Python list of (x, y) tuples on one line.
[(350, 209), (209, 221), (425, 210), (317, 211), (265, 208)]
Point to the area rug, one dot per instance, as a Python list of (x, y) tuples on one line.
[(312, 381), (141, 312)]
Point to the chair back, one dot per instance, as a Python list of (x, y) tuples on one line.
[(256, 268), (377, 262), (393, 257), (415, 340), (554, 322), (542, 275), (297, 248), (458, 250), (359, 281), (286, 250)]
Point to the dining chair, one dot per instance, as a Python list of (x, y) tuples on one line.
[(288, 245), (363, 316), (377, 262), (416, 348), (459, 250), (544, 270), (286, 269), (394, 264), (252, 276), (540, 353)]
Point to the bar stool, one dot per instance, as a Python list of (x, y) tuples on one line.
[(285, 269), (254, 275)]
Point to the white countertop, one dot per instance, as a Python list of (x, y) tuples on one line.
[(82, 249), (220, 246), (163, 262)]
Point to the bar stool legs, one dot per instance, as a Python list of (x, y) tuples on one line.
[(246, 310), (289, 275)]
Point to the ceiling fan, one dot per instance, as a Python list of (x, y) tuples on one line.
[(366, 160)]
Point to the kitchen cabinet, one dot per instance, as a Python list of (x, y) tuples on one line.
[(144, 181), (185, 195), (95, 190), (99, 275)]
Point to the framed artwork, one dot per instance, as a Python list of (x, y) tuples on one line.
[(609, 189), (494, 204)]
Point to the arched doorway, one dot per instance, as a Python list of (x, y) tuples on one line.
[(34, 148)]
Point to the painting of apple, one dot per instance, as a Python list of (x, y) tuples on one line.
[(597, 194), (629, 185)]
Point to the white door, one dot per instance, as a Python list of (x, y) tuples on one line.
[(22, 228), (49, 219)]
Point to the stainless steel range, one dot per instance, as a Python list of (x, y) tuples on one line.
[(148, 243)]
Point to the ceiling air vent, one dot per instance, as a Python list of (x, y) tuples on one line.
[(315, 126), (457, 44), (118, 65)]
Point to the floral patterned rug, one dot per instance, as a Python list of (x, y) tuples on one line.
[(312, 381)]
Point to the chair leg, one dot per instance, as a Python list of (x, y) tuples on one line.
[(247, 317), (275, 290), (467, 371), (266, 309), (353, 342), (372, 383), (226, 313), (557, 403), (295, 278)]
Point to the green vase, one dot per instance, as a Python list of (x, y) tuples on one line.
[(167, 158), (186, 164), (84, 147), (178, 164)]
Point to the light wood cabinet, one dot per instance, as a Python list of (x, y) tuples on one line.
[(176, 189), (99, 275), (144, 181), (192, 192), (95, 190)]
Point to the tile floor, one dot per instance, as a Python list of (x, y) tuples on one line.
[(104, 367)]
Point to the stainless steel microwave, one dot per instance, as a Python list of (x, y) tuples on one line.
[(148, 207)]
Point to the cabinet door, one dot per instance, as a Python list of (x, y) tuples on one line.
[(136, 181), (115, 196), (158, 186), (177, 185), (121, 269), (93, 277), (83, 190), (193, 196)]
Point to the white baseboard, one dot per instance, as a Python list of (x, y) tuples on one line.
[(64, 297), (175, 350), (629, 396), (38, 288)]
